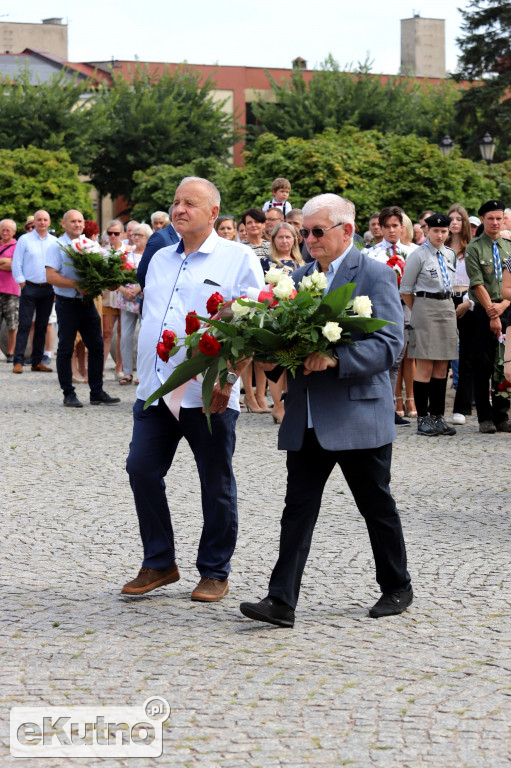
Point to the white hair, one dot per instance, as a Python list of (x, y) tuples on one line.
[(160, 215), (11, 223), (339, 211), (145, 229), (214, 194)]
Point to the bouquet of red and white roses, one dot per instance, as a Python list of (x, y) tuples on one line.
[(281, 325), (98, 268)]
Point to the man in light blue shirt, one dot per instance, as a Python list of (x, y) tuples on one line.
[(29, 270), (75, 314), (180, 279)]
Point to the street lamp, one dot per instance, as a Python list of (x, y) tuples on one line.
[(446, 145), (487, 148)]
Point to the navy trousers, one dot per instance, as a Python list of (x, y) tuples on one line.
[(367, 473), (156, 435), (39, 299), (76, 315)]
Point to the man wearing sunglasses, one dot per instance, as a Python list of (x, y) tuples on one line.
[(339, 410)]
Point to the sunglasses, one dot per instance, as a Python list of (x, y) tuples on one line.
[(29, 226), (317, 231), (111, 234)]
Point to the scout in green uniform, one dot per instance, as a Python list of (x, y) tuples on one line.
[(484, 259)]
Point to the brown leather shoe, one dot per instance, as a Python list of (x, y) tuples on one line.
[(42, 368), (149, 578), (210, 590), (18, 368)]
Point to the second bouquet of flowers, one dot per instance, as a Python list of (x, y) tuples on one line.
[(280, 325), (99, 268)]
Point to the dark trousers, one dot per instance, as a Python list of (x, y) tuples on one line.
[(367, 473), (483, 349), (156, 435), (38, 299), (465, 389), (75, 315)]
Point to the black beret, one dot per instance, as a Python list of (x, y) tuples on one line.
[(438, 220), (491, 205)]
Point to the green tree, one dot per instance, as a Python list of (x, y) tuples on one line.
[(369, 167), (335, 98), (33, 178), (485, 46), (50, 115), (147, 120), (154, 188)]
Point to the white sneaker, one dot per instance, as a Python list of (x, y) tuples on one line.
[(458, 418)]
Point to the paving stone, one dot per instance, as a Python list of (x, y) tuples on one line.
[(429, 688)]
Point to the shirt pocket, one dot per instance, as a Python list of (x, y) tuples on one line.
[(487, 267)]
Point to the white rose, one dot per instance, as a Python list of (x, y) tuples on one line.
[(362, 306), (332, 331), (319, 280), (273, 275), (284, 287), (239, 310), (306, 283)]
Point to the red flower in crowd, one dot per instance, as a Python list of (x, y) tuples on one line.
[(208, 345), (214, 302), (169, 339), (192, 323), (162, 351)]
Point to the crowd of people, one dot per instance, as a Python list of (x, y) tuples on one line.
[(451, 262), (443, 283)]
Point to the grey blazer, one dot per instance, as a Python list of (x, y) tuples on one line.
[(352, 405)]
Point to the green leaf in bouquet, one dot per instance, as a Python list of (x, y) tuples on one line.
[(337, 300), (207, 389), (221, 325), (183, 373), (267, 338)]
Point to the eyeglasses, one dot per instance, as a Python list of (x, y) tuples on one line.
[(29, 226), (111, 234), (317, 231)]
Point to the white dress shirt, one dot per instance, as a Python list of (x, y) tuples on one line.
[(177, 284), (383, 251)]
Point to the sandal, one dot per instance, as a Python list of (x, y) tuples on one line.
[(410, 411), (126, 379), (399, 411)]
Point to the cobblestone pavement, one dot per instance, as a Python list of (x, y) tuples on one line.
[(429, 688)]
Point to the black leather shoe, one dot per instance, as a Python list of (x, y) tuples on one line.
[(442, 426), (104, 399), (71, 401), (392, 604), (400, 422), (271, 610)]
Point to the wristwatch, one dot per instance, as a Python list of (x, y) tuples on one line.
[(231, 378)]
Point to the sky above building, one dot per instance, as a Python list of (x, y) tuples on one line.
[(263, 34)]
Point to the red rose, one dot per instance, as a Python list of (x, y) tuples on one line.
[(192, 323), (162, 352), (208, 345), (213, 303), (168, 339)]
